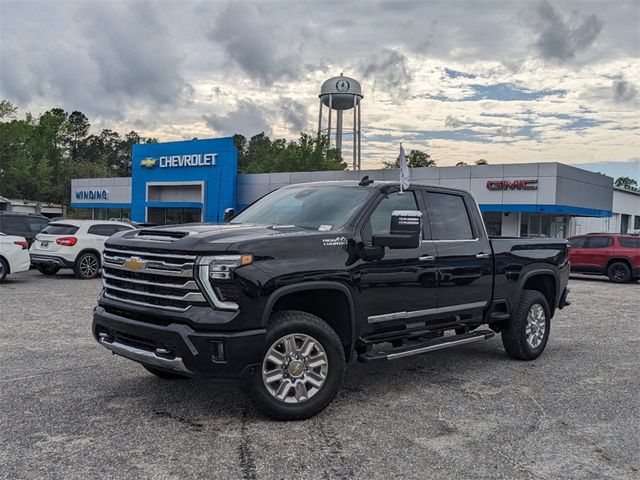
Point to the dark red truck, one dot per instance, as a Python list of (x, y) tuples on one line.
[(614, 255)]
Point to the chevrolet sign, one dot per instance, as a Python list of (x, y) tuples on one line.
[(496, 185), (173, 161)]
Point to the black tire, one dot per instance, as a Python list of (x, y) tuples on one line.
[(48, 269), (87, 266), (619, 272), (515, 339), (4, 269), (284, 324), (165, 374)]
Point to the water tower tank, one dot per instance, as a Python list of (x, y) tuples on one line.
[(342, 93)]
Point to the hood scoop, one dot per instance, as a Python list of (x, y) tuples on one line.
[(166, 236)]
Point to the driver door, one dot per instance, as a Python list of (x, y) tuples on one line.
[(401, 287)]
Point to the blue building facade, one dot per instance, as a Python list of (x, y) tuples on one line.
[(172, 182)]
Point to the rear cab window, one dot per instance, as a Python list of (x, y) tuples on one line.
[(60, 229), (448, 217), (36, 225)]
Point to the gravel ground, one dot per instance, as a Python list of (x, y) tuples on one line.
[(69, 409)]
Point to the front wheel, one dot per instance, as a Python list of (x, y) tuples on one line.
[(619, 272), (301, 369), (527, 335), (87, 266)]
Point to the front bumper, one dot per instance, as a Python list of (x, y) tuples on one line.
[(179, 348)]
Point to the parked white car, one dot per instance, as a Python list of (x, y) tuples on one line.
[(76, 244), (14, 255)]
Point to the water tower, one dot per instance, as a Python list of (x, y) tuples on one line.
[(340, 94)]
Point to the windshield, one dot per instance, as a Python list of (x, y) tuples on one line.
[(319, 208)]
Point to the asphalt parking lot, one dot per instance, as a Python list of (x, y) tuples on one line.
[(69, 409)]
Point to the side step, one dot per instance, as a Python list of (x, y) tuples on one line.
[(424, 347)]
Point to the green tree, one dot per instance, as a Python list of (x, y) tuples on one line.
[(7, 109), (627, 183), (461, 164), (415, 159), (482, 161), (261, 154)]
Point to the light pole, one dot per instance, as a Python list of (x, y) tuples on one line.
[(1, 174)]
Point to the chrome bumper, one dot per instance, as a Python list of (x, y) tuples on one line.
[(174, 364)]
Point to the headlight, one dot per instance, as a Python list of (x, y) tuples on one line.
[(219, 267)]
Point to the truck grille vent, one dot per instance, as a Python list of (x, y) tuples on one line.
[(145, 278)]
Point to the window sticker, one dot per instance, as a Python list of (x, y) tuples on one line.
[(324, 228)]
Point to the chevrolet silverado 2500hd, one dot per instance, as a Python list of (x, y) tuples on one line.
[(311, 276)]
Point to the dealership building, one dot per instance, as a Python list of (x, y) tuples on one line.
[(196, 180)]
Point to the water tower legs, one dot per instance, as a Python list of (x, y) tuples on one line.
[(339, 131)]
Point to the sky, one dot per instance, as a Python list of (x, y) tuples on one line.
[(509, 82)]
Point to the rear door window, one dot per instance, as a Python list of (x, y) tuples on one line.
[(60, 229), (598, 242), (448, 217), (105, 230), (36, 225)]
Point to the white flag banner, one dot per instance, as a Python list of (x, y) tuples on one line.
[(405, 173)]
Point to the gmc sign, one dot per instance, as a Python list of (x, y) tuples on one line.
[(512, 185)]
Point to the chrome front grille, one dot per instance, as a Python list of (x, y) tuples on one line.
[(145, 278)]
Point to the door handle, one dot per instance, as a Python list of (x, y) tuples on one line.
[(427, 258), (483, 255)]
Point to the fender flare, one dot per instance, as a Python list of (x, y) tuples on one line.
[(321, 285), (534, 273)]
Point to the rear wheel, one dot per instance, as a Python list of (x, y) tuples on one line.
[(619, 272), (165, 374), (48, 269), (302, 367), (4, 269), (527, 335), (87, 266)]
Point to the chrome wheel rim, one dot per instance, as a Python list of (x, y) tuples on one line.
[(295, 368), (536, 325), (1, 269), (89, 266)]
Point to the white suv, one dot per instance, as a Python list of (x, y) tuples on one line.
[(75, 244), (14, 256)]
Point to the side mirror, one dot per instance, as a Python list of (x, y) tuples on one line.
[(405, 230), (228, 213)]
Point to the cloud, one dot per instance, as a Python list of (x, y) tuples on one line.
[(456, 74), (624, 91), (247, 119), (294, 114), (452, 122), (506, 92), (249, 40), (562, 38), (389, 72)]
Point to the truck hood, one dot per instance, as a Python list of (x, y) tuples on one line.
[(212, 238)]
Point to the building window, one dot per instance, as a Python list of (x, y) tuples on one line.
[(173, 216), (636, 222), (493, 223)]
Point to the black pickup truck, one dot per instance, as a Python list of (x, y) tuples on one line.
[(311, 276)]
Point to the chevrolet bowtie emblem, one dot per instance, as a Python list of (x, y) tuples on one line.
[(134, 263), (148, 162)]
